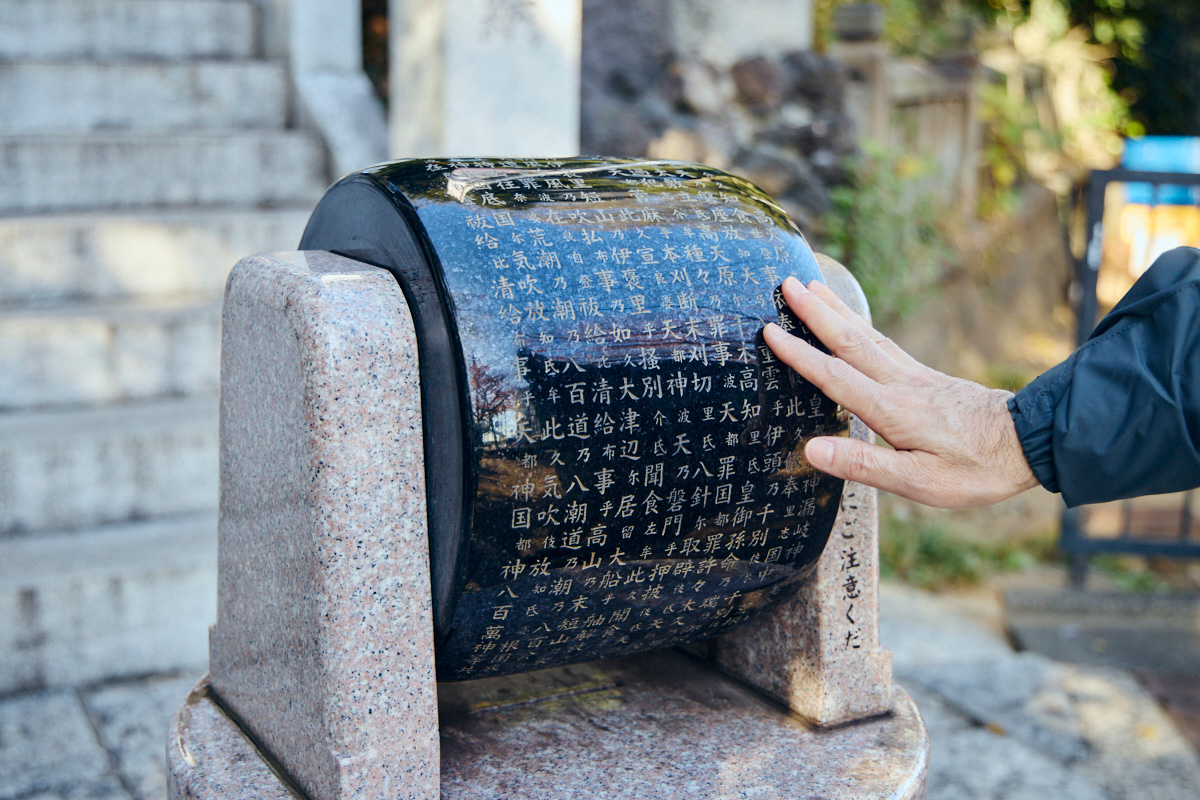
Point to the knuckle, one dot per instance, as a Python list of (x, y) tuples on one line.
[(913, 380), (782, 348), (903, 402), (856, 464), (882, 341), (853, 340), (787, 351), (837, 370)]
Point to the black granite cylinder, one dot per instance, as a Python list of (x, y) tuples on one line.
[(614, 460)]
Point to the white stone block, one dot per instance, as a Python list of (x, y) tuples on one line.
[(479, 78), (143, 97), (343, 108), (118, 601), (90, 354), (724, 33), (324, 35), (71, 470), (56, 258), (250, 168), (124, 29)]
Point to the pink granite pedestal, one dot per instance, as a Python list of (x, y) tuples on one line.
[(322, 682), (819, 653), (661, 726), (323, 645)]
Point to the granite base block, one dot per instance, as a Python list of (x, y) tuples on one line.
[(819, 653), (323, 645), (662, 725), (208, 756)]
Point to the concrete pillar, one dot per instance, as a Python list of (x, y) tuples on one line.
[(485, 77), (322, 43)]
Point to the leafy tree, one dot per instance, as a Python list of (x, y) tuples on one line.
[(1156, 72), (491, 395), (1156, 46)]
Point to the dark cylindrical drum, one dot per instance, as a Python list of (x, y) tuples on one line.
[(614, 460)]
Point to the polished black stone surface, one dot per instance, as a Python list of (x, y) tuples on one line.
[(614, 459)]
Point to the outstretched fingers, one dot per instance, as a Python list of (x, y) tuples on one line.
[(857, 347), (830, 298), (836, 378)]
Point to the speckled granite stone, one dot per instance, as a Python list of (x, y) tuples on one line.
[(660, 726), (323, 642), (819, 652), (208, 757)]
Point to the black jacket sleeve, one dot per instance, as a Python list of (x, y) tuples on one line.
[(1121, 416)]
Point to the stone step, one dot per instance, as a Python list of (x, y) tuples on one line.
[(58, 98), (122, 29), (70, 470), (65, 173), (63, 258), (111, 602), (92, 354)]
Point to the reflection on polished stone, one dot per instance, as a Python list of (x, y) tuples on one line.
[(614, 458)]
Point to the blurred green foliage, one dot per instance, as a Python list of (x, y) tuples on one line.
[(1154, 44), (913, 27), (1160, 58), (1008, 125), (884, 227), (931, 556), (934, 556), (1155, 54), (1130, 574)]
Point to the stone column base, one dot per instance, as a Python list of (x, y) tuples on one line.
[(660, 725)]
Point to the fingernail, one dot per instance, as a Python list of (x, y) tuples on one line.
[(820, 453), (795, 284)]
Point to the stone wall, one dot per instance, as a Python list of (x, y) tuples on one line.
[(661, 79)]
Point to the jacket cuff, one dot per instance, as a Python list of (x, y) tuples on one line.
[(1032, 411)]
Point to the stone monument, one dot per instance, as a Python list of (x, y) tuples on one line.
[(509, 415)]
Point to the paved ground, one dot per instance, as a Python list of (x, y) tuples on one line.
[(1009, 725), (102, 743), (1005, 725), (1155, 637)]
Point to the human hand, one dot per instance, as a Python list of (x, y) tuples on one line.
[(955, 445)]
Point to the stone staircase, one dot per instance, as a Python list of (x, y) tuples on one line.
[(145, 146)]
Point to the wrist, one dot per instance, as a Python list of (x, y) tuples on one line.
[(1011, 454)]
